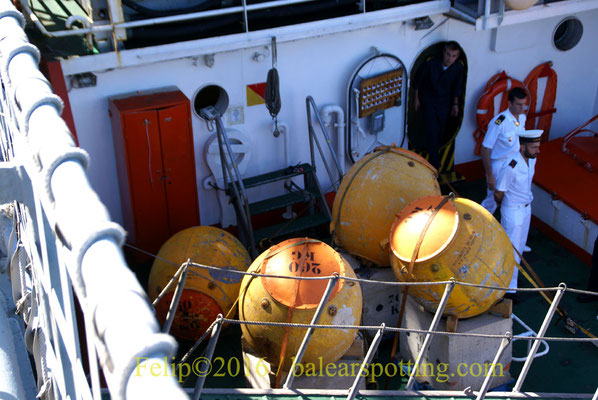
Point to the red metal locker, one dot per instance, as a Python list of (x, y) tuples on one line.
[(154, 155)]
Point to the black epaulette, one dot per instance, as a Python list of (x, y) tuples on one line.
[(513, 163), (499, 120)]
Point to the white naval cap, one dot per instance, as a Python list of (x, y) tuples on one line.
[(530, 136)]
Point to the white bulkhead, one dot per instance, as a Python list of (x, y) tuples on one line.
[(314, 62)]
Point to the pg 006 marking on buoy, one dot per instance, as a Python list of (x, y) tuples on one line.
[(307, 266)]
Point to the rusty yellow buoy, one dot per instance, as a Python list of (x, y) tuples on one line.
[(269, 299), (462, 241), (207, 292), (373, 191)]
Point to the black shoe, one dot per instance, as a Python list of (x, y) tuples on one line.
[(514, 297), (586, 298)]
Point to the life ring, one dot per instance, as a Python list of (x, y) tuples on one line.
[(499, 84), (478, 136), (544, 116), (495, 77), (502, 84)]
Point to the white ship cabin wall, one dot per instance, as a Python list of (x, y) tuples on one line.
[(321, 66)]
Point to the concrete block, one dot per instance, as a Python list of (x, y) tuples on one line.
[(381, 303), (456, 362), (340, 374)]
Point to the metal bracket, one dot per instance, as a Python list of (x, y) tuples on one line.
[(208, 60), (557, 204), (586, 222)]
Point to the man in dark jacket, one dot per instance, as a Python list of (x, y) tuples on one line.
[(438, 85)]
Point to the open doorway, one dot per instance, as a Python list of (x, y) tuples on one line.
[(415, 126)]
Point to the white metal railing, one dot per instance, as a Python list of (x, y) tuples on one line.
[(92, 29), (350, 393), (65, 250), (490, 14), (335, 178)]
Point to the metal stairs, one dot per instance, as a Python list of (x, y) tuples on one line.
[(315, 211)]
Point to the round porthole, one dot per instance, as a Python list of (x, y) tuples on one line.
[(567, 34), (210, 95)]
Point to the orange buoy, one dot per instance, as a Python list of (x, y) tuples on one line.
[(462, 241), (272, 299), (207, 292), (372, 192)]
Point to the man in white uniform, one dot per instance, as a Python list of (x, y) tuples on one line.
[(514, 193), (501, 142)]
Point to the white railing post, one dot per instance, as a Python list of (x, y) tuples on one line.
[(366, 361), (331, 285), (541, 332), (445, 296), (176, 298), (202, 374), (504, 343)]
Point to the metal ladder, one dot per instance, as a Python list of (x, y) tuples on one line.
[(317, 211)]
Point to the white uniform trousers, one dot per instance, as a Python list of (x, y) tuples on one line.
[(489, 203), (515, 220)]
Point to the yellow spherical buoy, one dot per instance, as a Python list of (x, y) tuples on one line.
[(520, 4), (207, 292), (270, 299), (373, 191), (462, 241)]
